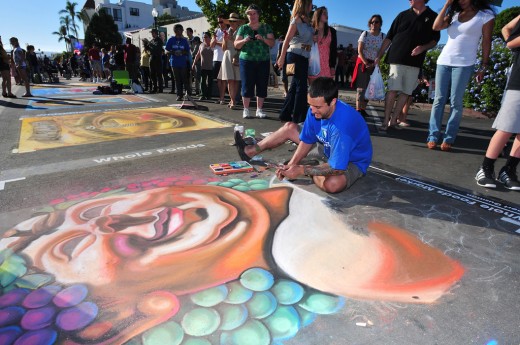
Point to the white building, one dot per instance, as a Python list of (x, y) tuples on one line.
[(199, 26), (347, 35), (132, 15)]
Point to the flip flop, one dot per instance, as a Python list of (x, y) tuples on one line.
[(240, 145)]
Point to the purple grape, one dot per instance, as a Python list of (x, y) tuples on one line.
[(9, 334), (38, 318), (45, 336), (13, 297), (10, 316), (41, 297), (77, 317), (70, 296)]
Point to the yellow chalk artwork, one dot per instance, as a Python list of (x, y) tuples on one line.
[(86, 128)]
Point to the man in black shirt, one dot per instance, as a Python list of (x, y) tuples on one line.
[(156, 69), (410, 37)]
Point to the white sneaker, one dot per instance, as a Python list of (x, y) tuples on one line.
[(246, 114), (260, 114)]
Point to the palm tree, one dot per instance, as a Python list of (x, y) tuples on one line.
[(63, 35), (66, 22), (70, 9)]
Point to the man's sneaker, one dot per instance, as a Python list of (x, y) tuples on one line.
[(509, 179), (486, 178), (246, 114), (260, 114)]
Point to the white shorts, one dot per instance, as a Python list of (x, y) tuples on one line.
[(403, 78)]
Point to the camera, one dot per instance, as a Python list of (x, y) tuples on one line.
[(253, 37)]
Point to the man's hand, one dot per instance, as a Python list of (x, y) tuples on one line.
[(291, 172), (418, 50)]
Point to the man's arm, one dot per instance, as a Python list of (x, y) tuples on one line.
[(321, 170), (292, 169), (506, 32), (425, 47)]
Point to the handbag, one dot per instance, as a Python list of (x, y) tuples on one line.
[(290, 69), (376, 86), (314, 60)]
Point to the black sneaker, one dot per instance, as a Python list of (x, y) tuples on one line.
[(509, 179), (486, 178)]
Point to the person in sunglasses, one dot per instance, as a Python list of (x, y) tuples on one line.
[(369, 44)]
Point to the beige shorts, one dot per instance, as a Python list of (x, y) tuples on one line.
[(403, 78)]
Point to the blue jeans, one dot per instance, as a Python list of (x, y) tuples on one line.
[(449, 81)]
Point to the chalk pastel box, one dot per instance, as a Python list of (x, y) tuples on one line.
[(231, 167)]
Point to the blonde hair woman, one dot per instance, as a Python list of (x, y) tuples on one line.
[(296, 49)]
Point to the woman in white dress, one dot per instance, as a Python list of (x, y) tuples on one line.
[(230, 70)]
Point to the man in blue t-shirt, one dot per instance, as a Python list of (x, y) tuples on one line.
[(179, 49), (333, 132)]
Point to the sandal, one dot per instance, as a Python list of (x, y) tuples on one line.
[(4, 95), (11, 95), (241, 145), (431, 145), (445, 147)]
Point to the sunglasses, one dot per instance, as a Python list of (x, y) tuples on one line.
[(220, 22), (375, 22)]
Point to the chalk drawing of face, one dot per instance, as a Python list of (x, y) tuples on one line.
[(138, 252), (182, 238), (187, 238)]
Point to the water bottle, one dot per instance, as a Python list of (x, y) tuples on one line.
[(239, 128)]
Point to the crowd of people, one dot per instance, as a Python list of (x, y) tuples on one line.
[(325, 130), (238, 55)]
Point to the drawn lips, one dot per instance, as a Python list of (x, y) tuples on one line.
[(169, 222)]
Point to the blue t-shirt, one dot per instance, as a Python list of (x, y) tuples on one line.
[(345, 137), (180, 51)]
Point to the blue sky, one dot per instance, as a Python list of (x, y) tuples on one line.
[(37, 20)]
